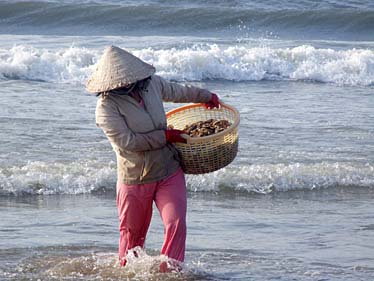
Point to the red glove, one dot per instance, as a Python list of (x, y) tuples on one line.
[(213, 103), (175, 136)]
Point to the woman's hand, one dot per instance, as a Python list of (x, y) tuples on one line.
[(173, 135), (213, 103)]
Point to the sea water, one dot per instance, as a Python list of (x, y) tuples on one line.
[(297, 202)]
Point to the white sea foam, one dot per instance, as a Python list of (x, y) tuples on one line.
[(353, 67), (70, 65), (104, 266), (39, 178), (349, 67), (57, 178), (267, 178)]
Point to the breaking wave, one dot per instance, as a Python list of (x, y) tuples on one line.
[(40, 178), (353, 67)]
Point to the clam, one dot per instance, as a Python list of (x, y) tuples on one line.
[(206, 128)]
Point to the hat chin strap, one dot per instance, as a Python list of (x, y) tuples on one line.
[(142, 85), (122, 91)]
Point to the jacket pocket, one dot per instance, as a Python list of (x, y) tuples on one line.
[(132, 165)]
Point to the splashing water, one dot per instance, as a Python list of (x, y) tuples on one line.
[(72, 264)]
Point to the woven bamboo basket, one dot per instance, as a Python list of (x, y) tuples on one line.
[(207, 154)]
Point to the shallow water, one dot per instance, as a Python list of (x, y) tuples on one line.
[(300, 235), (292, 136), (296, 204)]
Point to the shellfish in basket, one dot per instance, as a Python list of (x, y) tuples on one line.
[(212, 136), (205, 128)]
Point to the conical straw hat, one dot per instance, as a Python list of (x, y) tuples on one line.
[(117, 68)]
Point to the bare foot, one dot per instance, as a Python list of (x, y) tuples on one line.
[(164, 267)]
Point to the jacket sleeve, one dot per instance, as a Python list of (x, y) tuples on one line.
[(178, 93), (115, 128)]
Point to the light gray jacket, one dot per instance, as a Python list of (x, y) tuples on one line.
[(137, 133)]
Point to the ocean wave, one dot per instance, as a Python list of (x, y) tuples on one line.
[(353, 67), (40, 178), (70, 65), (267, 178), (242, 63), (116, 17)]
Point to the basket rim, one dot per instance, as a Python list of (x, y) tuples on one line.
[(191, 140)]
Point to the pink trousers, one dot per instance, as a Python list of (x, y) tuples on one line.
[(134, 204)]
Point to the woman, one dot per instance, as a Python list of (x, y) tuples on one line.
[(131, 114)]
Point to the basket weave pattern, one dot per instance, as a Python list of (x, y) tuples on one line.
[(210, 153)]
